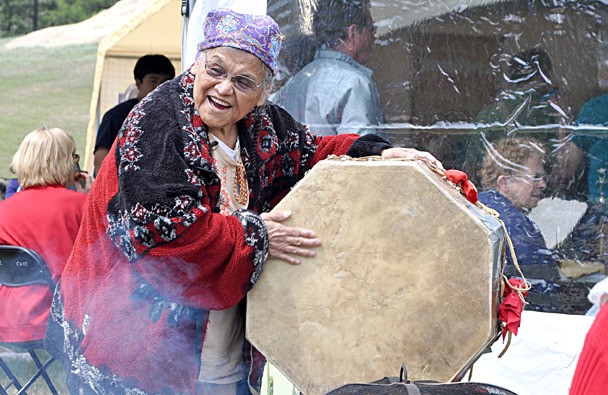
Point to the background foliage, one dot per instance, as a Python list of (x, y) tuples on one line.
[(19, 17)]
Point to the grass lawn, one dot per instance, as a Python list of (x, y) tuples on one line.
[(43, 87)]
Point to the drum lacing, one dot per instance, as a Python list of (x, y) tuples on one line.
[(523, 287)]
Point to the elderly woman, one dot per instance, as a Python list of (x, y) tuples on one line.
[(513, 178), (172, 240), (44, 216)]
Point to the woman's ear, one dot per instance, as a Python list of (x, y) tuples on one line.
[(196, 65), (501, 183)]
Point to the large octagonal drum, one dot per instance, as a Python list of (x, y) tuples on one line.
[(408, 274)]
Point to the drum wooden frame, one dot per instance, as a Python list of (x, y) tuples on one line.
[(408, 274)]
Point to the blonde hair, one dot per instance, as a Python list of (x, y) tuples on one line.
[(45, 157)]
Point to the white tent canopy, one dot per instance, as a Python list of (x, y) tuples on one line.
[(155, 29)]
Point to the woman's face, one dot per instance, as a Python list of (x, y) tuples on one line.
[(219, 101), (525, 189)]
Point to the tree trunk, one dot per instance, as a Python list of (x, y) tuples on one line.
[(35, 16)]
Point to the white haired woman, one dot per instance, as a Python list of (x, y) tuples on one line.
[(44, 216), (177, 232)]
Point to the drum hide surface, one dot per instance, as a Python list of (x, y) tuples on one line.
[(408, 274)]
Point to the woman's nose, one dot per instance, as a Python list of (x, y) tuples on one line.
[(225, 86)]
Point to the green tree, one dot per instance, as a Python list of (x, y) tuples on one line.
[(23, 16), (15, 17), (70, 11)]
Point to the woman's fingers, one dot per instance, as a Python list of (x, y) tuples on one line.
[(410, 153), (288, 243)]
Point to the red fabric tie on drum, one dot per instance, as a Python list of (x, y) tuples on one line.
[(511, 307), (460, 178)]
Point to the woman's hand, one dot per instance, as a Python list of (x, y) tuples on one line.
[(285, 242), (410, 153)]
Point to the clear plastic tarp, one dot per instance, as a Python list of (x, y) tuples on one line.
[(509, 92)]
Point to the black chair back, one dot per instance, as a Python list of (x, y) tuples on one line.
[(20, 266)]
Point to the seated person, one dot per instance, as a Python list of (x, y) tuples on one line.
[(513, 179), (150, 71), (529, 98), (595, 144), (12, 186), (588, 150), (45, 217)]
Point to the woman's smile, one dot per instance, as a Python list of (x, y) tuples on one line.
[(219, 103)]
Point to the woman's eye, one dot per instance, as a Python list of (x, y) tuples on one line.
[(244, 82), (217, 71)]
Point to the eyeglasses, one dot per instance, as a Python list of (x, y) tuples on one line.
[(240, 82), (538, 177), (76, 157)]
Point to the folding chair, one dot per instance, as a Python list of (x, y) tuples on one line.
[(20, 267)]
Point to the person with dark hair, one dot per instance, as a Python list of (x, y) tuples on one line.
[(176, 229), (529, 99), (334, 93), (150, 71)]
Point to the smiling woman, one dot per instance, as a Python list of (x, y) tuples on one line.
[(223, 101), (176, 231)]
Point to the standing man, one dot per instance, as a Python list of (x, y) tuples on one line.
[(150, 71), (335, 94)]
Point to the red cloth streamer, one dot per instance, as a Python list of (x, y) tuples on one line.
[(511, 307), (460, 178)]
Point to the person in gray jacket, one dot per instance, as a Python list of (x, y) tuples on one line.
[(334, 93)]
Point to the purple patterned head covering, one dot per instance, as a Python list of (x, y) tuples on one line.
[(257, 34)]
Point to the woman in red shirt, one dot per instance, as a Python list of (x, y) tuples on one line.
[(44, 216)]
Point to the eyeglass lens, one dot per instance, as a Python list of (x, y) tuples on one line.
[(240, 82)]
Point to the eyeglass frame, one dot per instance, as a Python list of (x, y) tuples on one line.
[(234, 83), (538, 177)]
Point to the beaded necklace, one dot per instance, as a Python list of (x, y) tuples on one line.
[(241, 190)]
